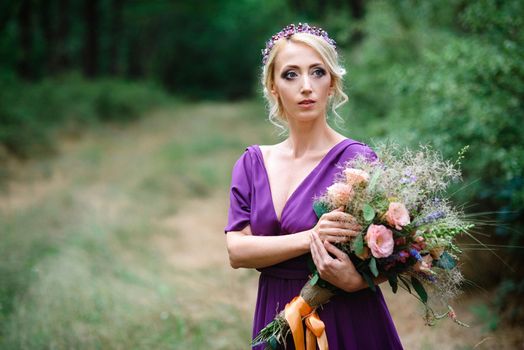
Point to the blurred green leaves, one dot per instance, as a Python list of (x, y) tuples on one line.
[(452, 76), (30, 112)]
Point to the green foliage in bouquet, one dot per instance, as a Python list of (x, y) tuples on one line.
[(402, 199)]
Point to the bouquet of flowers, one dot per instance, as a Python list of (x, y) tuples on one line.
[(409, 230)]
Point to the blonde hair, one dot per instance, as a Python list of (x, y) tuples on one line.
[(329, 56)]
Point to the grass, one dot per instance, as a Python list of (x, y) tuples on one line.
[(81, 264)]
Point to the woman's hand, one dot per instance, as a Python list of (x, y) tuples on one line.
[(336, 226), (338, 271)]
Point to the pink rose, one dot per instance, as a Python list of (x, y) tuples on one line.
[(340, 194), (380, 240), (355, 177), (397, 215)]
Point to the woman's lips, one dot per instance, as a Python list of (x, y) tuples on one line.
[(306, 103)]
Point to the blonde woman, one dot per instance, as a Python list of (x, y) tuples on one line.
[(271, 224)]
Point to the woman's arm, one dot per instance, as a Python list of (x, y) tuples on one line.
[(247, 250)]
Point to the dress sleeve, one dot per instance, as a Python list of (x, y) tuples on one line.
[(239, 213), (368, 153), (360, 148)]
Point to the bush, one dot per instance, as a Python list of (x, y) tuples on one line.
[(453, 75), (29, 113)]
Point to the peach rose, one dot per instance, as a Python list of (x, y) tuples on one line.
[(355, 177), (380, 240), (340, 194), (397, 215)]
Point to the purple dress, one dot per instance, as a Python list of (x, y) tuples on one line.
[(358, 320)]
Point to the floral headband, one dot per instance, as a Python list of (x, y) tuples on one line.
[(291, 29)]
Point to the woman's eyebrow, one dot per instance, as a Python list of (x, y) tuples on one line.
[(295, 66)]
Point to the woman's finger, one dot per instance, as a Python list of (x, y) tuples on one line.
[(340, 224), (314, 253), (320, 250), (315, 242), (338, 232), (335, 251), (337, 239), (313, 247), (340, 216), (318, 260), (344, 229)]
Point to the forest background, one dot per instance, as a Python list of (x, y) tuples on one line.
[(121, 119)]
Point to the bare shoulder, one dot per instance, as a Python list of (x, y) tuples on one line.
[(270, 150)]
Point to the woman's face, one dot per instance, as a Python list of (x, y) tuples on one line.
[(302, 82)]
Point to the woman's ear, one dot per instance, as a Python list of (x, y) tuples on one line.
[(331, 88), (274, 91)]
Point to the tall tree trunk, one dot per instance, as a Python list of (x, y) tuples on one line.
[(321, 8), (357, 12), (46, 20), (63, 60), (357, 8), (134, 64), (25, 36), (297, 5), (8, 10), (91, 38), (116, 37)]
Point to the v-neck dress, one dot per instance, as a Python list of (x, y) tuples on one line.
[(358, 320)]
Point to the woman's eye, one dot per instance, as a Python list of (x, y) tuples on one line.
[(289, 75), (319, 72)]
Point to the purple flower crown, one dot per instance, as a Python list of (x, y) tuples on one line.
[(291, 29)]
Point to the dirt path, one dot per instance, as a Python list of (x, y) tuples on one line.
[(190, 237), (203, 248)]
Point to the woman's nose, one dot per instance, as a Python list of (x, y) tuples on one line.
[(306, 85)]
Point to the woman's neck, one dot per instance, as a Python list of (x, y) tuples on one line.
[(313, 137)]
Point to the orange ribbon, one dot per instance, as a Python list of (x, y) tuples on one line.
[(294, 312)]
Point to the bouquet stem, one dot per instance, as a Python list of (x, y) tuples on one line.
[(315, 295), (276, 332)]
